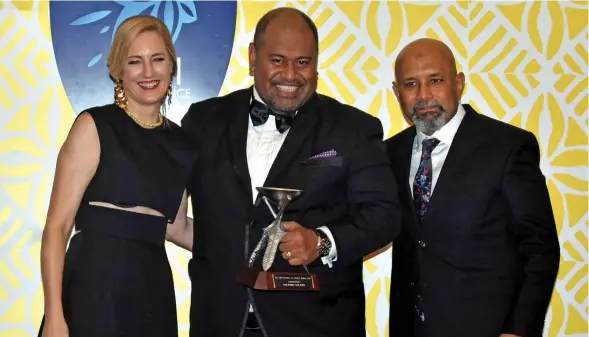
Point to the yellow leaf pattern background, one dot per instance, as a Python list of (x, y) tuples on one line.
[(525, 62)]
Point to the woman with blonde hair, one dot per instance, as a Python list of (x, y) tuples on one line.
[(120, 178)]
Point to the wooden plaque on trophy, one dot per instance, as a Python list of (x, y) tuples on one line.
[(278, 281)]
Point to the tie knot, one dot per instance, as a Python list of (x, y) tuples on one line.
[(428, 145)]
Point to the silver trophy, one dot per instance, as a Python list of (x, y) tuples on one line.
[(271, 236)]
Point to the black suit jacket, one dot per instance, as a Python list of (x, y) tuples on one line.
[(355, 196), (485, 258)]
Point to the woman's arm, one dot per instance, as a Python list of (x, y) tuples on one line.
[(180, 232), (76, 164)]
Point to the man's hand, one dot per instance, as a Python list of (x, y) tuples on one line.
[(299, 244)]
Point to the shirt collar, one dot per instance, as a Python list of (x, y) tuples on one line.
[(446, 134), (256, 96)]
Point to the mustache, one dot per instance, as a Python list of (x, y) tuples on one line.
[(426, 104)]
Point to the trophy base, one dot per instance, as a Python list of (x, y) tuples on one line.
[(277, 281)]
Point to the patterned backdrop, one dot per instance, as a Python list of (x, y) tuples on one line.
[(525, 63)]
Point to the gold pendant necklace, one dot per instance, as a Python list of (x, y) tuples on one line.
[(140, 122)]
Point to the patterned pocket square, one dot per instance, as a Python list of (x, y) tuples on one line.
[(327, 158), (326, 154)]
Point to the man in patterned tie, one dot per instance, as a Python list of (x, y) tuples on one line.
[(281, 133), (478, 253)]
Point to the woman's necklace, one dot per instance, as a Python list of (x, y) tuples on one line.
[(140, 122)]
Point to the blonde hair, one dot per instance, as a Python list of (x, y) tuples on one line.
[(127, 31)]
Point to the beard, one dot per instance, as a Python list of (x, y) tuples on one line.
[(428, 125), (281, 109)]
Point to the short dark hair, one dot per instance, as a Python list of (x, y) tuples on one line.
[(265, 21)]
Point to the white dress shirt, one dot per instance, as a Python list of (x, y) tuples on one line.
[(445, 135)]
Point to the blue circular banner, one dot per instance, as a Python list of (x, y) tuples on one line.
[(82, 32)]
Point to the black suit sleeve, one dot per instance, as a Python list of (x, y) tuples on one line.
[(373, 215), (193, 130), (189, 122), (525, 188)]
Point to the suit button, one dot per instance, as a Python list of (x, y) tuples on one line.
[(422, 244)]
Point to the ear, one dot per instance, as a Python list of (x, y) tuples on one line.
[(396, 91), (460, 85), (405, 116), (252, 58)]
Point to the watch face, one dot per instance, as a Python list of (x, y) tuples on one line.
[(325, 247)]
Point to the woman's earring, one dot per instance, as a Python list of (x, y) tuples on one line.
[(120, 98)]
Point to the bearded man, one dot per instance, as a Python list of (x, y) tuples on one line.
[(478, 257)]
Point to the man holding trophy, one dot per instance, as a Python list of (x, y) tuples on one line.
[(291, 190)]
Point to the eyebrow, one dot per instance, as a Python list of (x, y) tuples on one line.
[(137, 56), (298, 58), (414, 78)]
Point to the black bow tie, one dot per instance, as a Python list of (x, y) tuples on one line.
[(259, 113)]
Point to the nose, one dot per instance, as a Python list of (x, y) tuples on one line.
[(289, 72), (424, 91), (147, 69)]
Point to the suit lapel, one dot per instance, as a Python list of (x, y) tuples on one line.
[(463, 146), (300, 130), (237, 125)]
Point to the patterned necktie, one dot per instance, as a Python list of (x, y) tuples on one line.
[(422, 185), (259, 113)]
